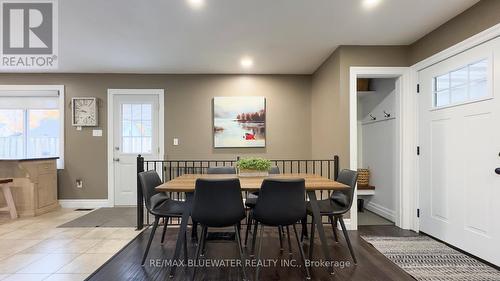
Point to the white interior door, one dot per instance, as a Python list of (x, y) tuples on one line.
[(459, 138), (136, 131)]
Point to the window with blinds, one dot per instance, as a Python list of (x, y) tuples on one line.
[(30, 124)]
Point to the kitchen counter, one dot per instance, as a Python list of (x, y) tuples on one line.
[(29, 159), (35, 184)]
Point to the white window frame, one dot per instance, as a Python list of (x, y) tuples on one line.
[(61, 105), (489, 85)]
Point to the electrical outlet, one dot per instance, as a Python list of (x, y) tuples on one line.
[(79, 183)]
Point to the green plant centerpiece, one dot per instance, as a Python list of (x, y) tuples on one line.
[(253, 167)]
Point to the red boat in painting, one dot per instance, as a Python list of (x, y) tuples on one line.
[(249, 136)]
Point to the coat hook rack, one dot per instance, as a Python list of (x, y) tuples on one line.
[(373, 117), (386, 114)]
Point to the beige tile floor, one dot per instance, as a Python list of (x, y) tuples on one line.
[(35, 249)]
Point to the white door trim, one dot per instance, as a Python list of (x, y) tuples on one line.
[(412, 169), (161, 130), (405, 154), (408, 134)]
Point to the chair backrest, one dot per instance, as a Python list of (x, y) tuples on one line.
[(221, 170), (218, 202), (345, 197), (281, 202), (275, 170), (149, 181)]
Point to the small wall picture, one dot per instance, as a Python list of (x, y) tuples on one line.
[(239, 122), (84, 111)]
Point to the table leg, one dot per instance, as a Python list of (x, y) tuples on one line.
[(182, 231), (140, 208), (319, 225), (9, 200)]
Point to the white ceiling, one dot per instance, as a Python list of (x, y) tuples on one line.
[(282, 36)]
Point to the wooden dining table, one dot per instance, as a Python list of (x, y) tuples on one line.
[(186, 184)]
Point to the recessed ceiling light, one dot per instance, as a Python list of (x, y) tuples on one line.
[(368, 4), (246, 62), (196, 3)]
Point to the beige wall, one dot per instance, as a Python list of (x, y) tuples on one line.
[(187, 116), (485, 14), (330, 95), (325, 113)]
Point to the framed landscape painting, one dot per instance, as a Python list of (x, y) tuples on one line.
[(239, 122)]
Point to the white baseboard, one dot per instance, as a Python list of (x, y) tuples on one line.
[(381, 211), (347, 223), (83, 203)]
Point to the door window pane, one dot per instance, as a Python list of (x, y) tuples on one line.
[(146, 145), (136, 145), (459, 94), (137, 128), (136, 112), (43, 133), (11, 133), (127, 128), (146, 128), (146, 112), (479, 70), (478, 89), (127, 144), (443, 98), (442, 82), (127, 112), (458, 77), (461, 85)]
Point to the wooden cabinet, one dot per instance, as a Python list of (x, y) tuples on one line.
[(47, 194), (35, 185)]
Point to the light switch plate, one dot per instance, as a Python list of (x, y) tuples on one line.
[(97, 133), (176, 141)]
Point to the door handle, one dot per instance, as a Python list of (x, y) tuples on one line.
[(116, 159), (497, 170)]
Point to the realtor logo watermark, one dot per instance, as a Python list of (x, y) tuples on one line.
[(29, 35)]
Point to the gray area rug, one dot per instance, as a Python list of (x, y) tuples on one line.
[(429, 260), (106, 217)]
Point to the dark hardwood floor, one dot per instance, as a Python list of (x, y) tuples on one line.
[(372, 265)]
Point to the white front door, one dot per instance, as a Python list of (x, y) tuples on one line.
[(135, 131), (459, 139)]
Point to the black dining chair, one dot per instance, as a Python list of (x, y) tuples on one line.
[(335, 207), (221, 170), (290, 193), (159, 205), (250, 202), (218, 203), (251, 199)]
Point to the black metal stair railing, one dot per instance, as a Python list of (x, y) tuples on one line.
[(170, 169)]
